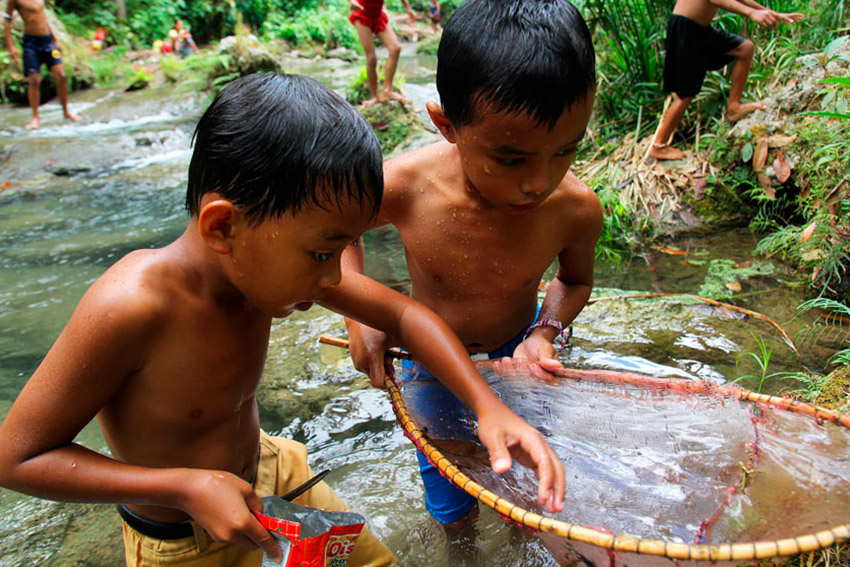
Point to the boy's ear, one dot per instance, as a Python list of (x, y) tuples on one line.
[(441, 121), (218, 221)]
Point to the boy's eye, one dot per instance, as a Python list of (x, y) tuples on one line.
[(511, 161), (322, 256)]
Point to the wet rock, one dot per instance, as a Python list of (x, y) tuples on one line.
[(246, 55), (344, 53), (67, 169)]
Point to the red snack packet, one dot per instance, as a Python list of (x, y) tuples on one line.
[(309, 537)]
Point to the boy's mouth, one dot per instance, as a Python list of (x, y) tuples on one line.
[(303, 306)]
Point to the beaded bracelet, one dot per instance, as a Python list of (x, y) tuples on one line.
[(565, 337)]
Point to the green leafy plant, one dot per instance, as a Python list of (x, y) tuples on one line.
[(833, 325), (762, 360)]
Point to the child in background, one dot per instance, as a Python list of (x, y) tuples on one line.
[(694, 47), (369, 18), (166, 348), (486, 211), (434, 14)]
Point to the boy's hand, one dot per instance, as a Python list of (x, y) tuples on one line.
[(765, 18), (355, 5), (537, 349), (411, 17), (790, 18), (507, 435), (368, 348), (221, 503)]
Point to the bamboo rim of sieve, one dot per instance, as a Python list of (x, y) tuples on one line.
[(628, 543)]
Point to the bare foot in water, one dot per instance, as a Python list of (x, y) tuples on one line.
[(738, 111), (392, 95), (663, 151), (33, 124), (72, 117), (371, 102)]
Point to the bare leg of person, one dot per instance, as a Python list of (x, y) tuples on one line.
[(669, 122), (368, 43), (461, 537), (34, 95), (62, 90), (390, 40), (743, 55)]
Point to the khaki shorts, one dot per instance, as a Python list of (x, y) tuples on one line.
[(283, 466)]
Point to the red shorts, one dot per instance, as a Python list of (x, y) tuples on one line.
[(377, 25)]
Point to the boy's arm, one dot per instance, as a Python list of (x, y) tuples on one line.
[(569, 291), (410, 15), (756, 12), (104, 342), (7, 30), (367, 346), (429, 339)]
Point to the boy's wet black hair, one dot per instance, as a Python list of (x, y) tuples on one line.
[(522, 56), (274, 144)]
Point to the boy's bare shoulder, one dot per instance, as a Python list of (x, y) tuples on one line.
[(136, 292), (404, 171), (579, 205), (579, 194)]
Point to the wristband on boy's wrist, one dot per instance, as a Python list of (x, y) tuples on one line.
[(7, 16), (565, 336)]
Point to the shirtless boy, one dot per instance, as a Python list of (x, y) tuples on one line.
[(694, 47), (486, 211), (40, 47), (369, 18), (167, 347)]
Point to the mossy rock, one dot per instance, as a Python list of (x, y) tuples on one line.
[(836, 393), (393, 123), (429, 45)]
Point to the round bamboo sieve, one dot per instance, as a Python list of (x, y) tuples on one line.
[(628, 543)]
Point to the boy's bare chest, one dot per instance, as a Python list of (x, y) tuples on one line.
[(202, 370), (30, 8), (460, 250)]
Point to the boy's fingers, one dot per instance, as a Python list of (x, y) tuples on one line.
[(376, 374), (550, 364), (500, 457), (558, 484), (264, 540)]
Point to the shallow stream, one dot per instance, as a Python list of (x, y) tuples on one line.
[(83, 195)]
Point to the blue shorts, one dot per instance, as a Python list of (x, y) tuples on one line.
[(444, 501), (40, 50)]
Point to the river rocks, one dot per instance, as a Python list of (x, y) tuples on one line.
[(245, 55)]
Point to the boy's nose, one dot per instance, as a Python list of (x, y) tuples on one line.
[(535, 185), (332, 277)]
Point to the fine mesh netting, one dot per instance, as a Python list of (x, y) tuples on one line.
[(674, 460)]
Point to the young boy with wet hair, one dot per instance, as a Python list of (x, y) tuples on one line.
[(486, 211), (166, 349), (694, 47)]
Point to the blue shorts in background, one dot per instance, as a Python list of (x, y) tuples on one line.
[(40, 50)]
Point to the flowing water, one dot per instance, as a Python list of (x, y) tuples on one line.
[(82, 195)]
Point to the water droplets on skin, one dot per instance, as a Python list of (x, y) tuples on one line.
[(487, 170)]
